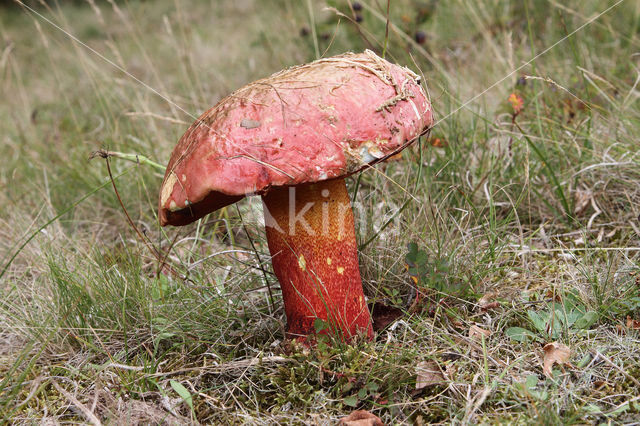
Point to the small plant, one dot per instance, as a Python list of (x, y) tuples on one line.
[(530, 389), (432, 272), (394, 296), (568, 315), (184, 394), (368, 390)]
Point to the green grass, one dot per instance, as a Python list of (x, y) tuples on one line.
[(540, 209)]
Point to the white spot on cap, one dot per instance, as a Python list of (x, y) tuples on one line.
[(302, 263)]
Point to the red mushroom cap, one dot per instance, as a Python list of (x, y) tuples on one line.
[(318, 121)]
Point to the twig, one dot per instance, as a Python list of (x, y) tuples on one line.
[(229, 367), (163, 261), (151, 248), (526, 249), (72, 399), (122, 366), (126, 213), (264, 273), (136, 158), (597, 354)]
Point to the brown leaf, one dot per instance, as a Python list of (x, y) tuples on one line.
[(438, 143), (361, 418), (487, 298), (428, 374), (486, 302), (457, 323), (489, 306), (554, 353), (551, 294), (632, 324), (476, 332)]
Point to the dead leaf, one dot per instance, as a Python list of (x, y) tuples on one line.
[(413, 277), (632, 324), (487, 298), (457, 323), (554, 353), (489, 306), (428, 374), (476, 332), (438, 143), (361, 418), (551, 294), (486, 302)]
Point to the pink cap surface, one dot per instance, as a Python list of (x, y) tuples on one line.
[(323, 120)]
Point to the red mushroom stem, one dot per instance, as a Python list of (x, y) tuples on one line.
[(311, 236)]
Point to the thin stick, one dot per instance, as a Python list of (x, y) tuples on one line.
[(126, 213), (150, 246), (163, 261), (597, 354), (73, 400), (136, 158), (264, 273)]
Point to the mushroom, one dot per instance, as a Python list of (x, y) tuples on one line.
[(292, 138)]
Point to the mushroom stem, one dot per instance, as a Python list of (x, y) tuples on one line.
[(311, 236)]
